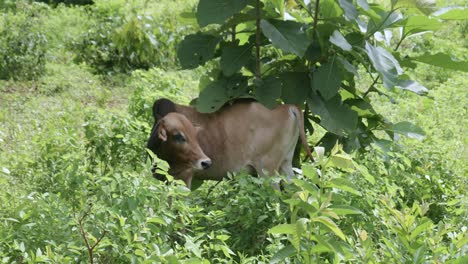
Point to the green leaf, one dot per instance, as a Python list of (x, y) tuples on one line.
[(339, 40), (345, 210), (330, 9), (343, 185), (365, 172), (412, 86), (286, 252), (233, 57), (331, 225), (350, 11), (334, 116), (269, 91), (384, 62), (192, 247), (408, 129), (363, 4), (417, 24), (452, 13), (343, 162), (289, 36), (425, 6), (442, 60), (283, 229), (327, 79), (219, 92), (294, 87), (217, 11), (196, 49)]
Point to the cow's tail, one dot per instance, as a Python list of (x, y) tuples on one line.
[(300, 122)]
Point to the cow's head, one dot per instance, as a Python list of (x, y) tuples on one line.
[(174, 139)]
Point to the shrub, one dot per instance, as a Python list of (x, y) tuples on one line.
[(122, 43), (22, 44)]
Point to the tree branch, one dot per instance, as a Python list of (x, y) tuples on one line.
[(85, 238)]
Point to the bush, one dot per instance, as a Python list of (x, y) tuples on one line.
[(122, 43), (22, 44)]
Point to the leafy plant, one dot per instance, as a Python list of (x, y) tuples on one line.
[(22, 44), (328, 55), (124, 40)]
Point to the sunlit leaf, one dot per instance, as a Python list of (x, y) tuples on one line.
[(452, 13), (425, 6), (442, 60), (417, 24), (345, 210), (350, 11), (331, 225), (283, 229), (338, 39), (408, 129), (384, 62), (412, 86), (344, 185)]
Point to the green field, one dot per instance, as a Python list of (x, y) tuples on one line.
[(75, 115)]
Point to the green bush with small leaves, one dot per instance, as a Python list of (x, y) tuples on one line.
[(22, 44)]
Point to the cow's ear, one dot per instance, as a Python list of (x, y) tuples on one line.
[(162, 134), (162, 107)]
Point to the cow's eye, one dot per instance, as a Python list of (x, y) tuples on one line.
[(179, 138)]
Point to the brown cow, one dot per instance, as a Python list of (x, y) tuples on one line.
[(244, 135)]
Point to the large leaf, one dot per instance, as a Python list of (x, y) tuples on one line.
[(327, 79), (417, 24), (269, 91), (408, 129), (412, 86), (334, 116), (384, 62), (287, 35), (449, 13), (295, 87), (339, 40), (221, 91), (350, 11), (442, 60), (196, 49), (425, 6), (330, 9), (233, 57), (217, 11)]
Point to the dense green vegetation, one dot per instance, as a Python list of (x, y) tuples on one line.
[(76, 87)]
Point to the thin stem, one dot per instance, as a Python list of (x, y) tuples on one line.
[(316, 15), (233, 33), (371, 86), (257, 41)]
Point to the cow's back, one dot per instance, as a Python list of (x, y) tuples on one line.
[(244, 135)]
